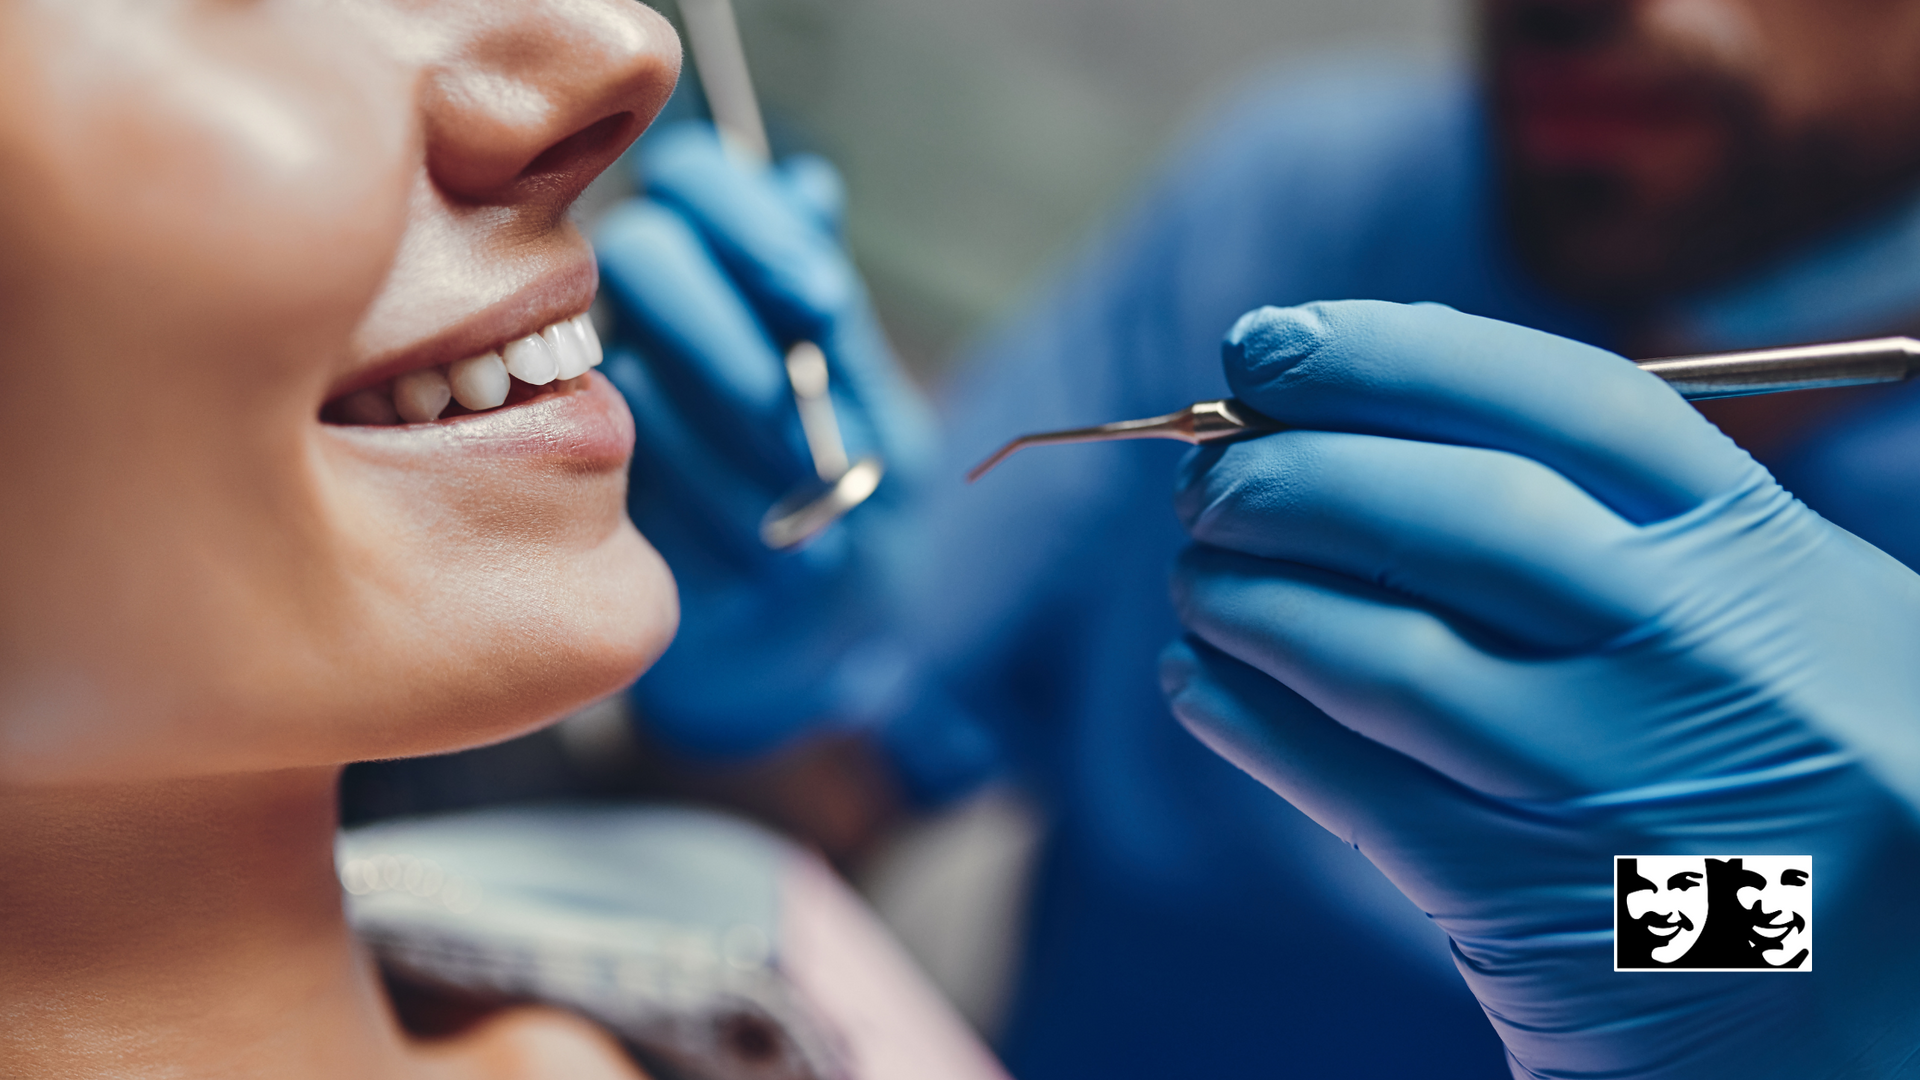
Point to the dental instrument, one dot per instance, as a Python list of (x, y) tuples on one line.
[(1697, 378), (714, 38)]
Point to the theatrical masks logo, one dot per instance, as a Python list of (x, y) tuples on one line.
[(1713, 912)]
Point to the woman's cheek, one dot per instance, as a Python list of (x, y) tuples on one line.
[(212, 187), (316, 155)]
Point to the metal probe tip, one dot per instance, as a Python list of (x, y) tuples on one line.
[(807, 510), (1696, 378), (1201, 422)]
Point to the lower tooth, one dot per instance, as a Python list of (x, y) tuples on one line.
[(421, 396), (479, 382), (372, 406)]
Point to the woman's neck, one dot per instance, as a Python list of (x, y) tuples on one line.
[(189, 927), (194, 928)]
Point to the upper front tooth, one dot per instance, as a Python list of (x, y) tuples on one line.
[(421, 396), (479, 382), (567, 347), (589, 337), (531, 361)]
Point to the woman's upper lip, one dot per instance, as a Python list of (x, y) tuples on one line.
[(550, 298)]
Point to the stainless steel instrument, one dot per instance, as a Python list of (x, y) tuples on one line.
[(714, 38), (1711, 375)]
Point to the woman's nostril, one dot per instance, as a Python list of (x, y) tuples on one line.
[(586, 151), (534, 104)]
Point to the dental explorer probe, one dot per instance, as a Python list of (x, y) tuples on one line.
[(714, 38), (1697, 378)]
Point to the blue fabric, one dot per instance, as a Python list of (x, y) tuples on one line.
[(1861, 280), (1864, 474), (1184, 924)]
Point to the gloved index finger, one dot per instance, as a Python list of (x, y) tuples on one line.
[(1430, 373), (774, 247)]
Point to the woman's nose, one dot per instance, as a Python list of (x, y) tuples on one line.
[(529, 101)]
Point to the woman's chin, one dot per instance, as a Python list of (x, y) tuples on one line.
[(606, 627), (632, 610), (451, 650)]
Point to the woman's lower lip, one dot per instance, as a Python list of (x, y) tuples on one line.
[(586, 426)]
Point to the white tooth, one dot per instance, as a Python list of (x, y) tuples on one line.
[(589, 337), (479, 382), (370, 406), (531, 361), (420, 396), (567, 347)]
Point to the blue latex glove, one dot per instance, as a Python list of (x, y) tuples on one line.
[(1506, 607), (712, 275)]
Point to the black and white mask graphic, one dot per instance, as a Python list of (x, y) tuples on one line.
[(1713, 913)]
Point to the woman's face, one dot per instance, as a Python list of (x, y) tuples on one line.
[(219, 219)]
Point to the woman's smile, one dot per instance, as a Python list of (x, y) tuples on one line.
[(535, 341), (409, 530), (578, 425)]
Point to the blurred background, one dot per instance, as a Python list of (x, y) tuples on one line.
[(982, 139), (982, 142)]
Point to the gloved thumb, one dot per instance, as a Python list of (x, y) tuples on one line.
[(1429, 373)]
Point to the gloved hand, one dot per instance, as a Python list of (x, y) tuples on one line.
[(712, 275), (1504, 607)]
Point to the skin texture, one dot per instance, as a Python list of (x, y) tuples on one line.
[(1652, 146), (215, 217)]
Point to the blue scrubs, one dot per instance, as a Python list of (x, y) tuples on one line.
[(1186, 923)]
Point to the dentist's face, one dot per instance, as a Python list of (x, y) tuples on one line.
[(1652, 146), (1674, 908), (1783, 908), (223, 222)]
